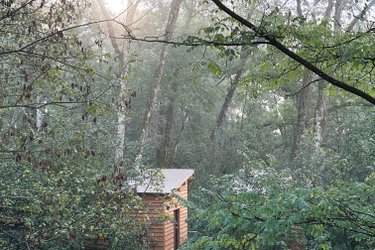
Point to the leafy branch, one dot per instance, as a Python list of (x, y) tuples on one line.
[(285, 50)]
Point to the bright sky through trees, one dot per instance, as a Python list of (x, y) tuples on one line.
[(116, 6)]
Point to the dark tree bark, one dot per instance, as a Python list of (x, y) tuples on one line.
[(164, 151), (244, 54), (167, 148), (155, 84), (301, 123)]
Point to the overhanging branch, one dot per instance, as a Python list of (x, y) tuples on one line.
[(307, 64), (200, 42)]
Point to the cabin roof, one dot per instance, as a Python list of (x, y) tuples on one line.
[(164, 181)]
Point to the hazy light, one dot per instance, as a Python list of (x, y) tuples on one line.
[(116, 6)]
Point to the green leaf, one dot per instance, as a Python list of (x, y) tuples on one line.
[(215, 69)]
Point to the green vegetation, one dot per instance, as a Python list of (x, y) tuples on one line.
[(271, 102)]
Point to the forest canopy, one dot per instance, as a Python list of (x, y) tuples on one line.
[(270, 102)]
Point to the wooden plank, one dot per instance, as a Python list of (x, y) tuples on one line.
[(157, 237), (168, 232), (161, 206), (183, 233), (157, 230), (169, 242)]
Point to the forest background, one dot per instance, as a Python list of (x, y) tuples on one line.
[(271, 102)]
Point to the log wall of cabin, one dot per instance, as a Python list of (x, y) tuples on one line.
[(163, 207), (183, 193)]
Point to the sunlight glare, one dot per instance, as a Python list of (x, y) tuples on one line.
[(116, 6)]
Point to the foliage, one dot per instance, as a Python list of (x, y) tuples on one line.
[(263, 210), (321, 197), (271, 186), (57, 190), (64, 210)]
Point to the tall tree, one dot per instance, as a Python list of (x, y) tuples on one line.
[(150, 115), (244, 54), (122, 49), (321, 104), (274, 41), (50, 193)]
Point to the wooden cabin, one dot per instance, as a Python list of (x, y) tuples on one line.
[(167, 215)]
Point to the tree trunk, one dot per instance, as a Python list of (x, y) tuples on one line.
[(122, 53), (320, 112), (299, 8), (155, 85), (38, 114), (360, 16), (328, 12), (337, 15), (301, 123), (321, 105), (164, 150), (244, 54), (167, 147)]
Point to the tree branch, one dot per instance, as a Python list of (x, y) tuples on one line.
[(360, 16), (200, 42), (52, 34), (307, 64)]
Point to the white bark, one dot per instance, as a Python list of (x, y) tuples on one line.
[(38, 115), (122, 53), (121, 123), (321, 106), (320, 112), (299, 8)]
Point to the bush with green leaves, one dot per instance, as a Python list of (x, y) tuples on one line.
[(65, 209), (263, 209)]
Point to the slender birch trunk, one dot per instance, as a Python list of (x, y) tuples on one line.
[(303, 97), (320, 112), (299, 8), (122, 52), (38, 115)]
